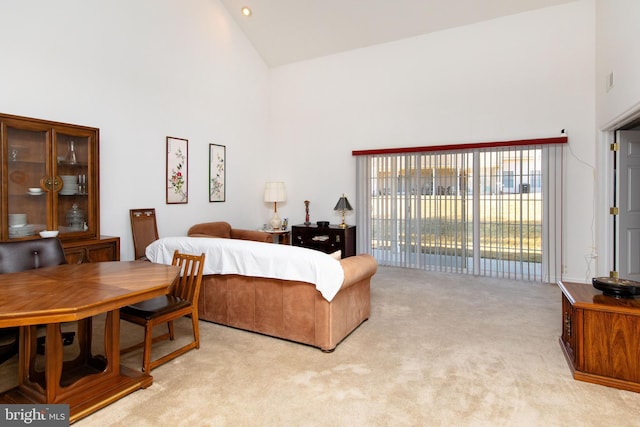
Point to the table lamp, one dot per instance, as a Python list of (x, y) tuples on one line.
[(275, 192), (343, 205)]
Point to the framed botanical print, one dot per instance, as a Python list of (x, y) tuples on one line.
[(217, 173), (177, 170)]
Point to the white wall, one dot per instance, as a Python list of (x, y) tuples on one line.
[(523, 76), (618, 52), (140, 71)]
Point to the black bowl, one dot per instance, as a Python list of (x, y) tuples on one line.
[(618, 288), (322, 224)]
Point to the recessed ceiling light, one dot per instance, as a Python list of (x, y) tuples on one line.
[(246, 11)]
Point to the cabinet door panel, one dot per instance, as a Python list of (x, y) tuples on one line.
[(612, 345), (25, 168), (75, 256), (75, 200), (101, 253)]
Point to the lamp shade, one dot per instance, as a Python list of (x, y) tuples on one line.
[(275, 192), (343, 204)]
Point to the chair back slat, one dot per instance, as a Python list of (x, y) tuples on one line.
[(190, 280)]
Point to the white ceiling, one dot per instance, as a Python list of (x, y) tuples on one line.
[(285, 31)]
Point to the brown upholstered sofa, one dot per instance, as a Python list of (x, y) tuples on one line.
[(291, 310), (224, 229)]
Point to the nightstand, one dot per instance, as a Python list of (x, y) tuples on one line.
[(280, 236), (326, 239)]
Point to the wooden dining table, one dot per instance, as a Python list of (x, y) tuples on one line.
[(52, 296)]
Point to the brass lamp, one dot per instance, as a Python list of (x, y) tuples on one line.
[(275, 192), (343, 205)]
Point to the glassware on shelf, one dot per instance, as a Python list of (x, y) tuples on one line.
[(82, 184), (13, 154), (75, 218), (70, 158)]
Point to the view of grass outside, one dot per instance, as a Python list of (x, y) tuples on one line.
[(510, 225)]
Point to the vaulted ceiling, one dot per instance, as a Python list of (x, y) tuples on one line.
[(285, 31)]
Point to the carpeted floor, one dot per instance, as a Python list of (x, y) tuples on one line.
[(438, 350)]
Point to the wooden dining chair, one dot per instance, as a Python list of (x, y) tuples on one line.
[(144, 229), (181, 301)]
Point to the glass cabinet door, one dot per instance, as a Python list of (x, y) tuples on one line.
[(73, 175), (26, 166)]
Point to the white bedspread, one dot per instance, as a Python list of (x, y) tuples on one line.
[(258, 259)]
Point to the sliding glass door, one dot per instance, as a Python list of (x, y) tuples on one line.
[(468, 211)]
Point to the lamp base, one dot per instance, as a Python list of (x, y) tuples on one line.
[(276, 222), (343, 225)]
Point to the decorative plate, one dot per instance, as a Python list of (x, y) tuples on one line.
[(618, 288), (18, 177)]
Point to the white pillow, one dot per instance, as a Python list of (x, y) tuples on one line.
[(336, 255)]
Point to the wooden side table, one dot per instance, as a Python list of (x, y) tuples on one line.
[(282, 237), (601, 336)]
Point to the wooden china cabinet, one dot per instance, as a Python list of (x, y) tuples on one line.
[(50, 181)]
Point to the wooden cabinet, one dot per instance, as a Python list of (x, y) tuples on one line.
[(62, 161), (105, 248), (601, 336), (326, 239), (50, 181)]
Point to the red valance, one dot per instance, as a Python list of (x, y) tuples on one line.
[(458, 147)]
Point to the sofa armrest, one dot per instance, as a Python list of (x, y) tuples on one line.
[(358, 268), (255, 235)]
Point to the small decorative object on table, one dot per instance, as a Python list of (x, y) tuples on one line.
[(617, 288), (306, 209)]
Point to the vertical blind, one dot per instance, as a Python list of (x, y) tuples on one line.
[(491, 210)]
